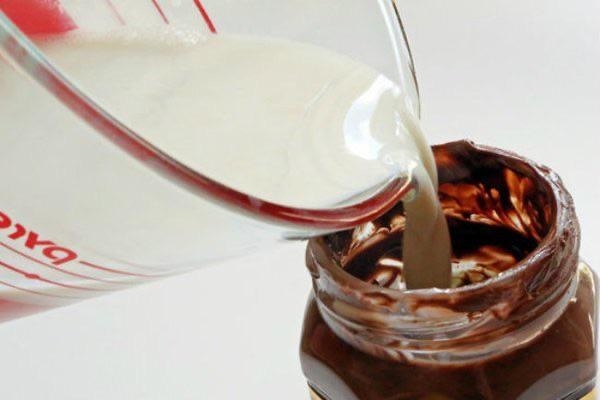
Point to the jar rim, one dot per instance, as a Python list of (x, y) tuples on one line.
[(563, 222)]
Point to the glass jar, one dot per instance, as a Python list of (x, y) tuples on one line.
[(528, 333)]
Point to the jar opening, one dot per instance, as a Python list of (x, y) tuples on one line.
[(498, 212), (511, 220)]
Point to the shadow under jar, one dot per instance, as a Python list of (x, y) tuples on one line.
[(518, 323)]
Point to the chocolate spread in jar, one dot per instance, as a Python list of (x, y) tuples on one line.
[(518, 284)]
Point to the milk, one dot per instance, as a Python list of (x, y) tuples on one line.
[(286, 122)]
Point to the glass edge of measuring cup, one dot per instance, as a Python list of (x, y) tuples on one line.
[(19, 51)]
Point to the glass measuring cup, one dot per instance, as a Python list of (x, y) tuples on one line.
[(93, 206)]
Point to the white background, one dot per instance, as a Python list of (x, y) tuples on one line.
[(523, 75)]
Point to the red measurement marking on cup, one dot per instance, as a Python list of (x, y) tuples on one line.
[(42, 279), (114, 10), (116, 271), (15, 231), (55, 254), (75, 274), (205, 16), (160, 11), (35, 291)]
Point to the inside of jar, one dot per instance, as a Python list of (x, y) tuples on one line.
[(498, 208)]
